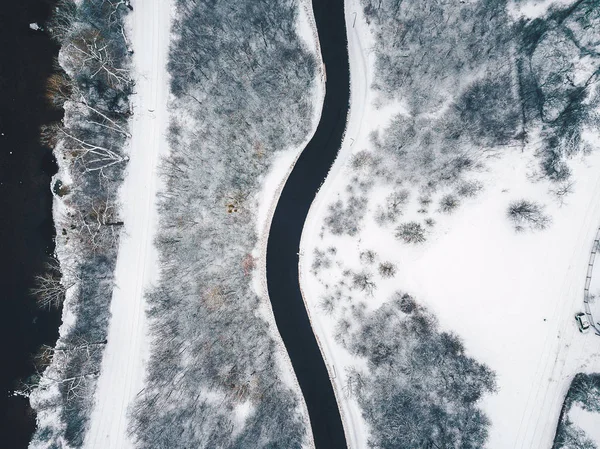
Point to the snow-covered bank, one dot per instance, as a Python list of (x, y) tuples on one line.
[(121, 375)]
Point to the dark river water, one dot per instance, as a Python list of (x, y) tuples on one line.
[(286, 228), (26, 229)]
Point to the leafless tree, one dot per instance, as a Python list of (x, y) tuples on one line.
[(411, 232), (50, 289), (97, 227), (90, 52), (93, 158), (528, 215)]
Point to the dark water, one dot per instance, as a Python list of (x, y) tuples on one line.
[(288, 221), (26, 229)]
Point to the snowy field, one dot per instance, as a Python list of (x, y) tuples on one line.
[(121, 376), (510, 296)]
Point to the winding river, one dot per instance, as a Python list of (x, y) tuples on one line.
[(286, 229)]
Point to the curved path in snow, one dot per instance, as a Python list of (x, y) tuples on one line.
[(122, 372), (287, 224)]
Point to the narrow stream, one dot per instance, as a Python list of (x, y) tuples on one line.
[(26, 228), (288, 221)]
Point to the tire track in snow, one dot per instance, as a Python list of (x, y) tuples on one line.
[(121, 376), (555, 361)]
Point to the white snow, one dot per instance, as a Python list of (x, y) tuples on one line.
[(534, 9), (587, 421), (122, 371), (510, 296)]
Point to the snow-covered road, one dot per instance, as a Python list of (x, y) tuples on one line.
[(122, 372)]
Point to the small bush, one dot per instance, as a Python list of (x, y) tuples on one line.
[(469, 189), (387, 269), (346, 218), (528, 215), (448, 204), (411, 232), (320, 260), (364, 282), (368, 257)]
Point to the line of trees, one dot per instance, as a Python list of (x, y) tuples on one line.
[(241, 79), (92, 83)]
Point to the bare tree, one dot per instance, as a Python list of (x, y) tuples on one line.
[(50, 289), (387, 269), (99, 226), (411, 232), (93, 158), (527, 215), (90, 52)]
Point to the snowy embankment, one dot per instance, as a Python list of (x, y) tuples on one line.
[(510, 296), (121, 376)]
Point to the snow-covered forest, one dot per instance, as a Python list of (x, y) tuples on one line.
[(241, 80), (92, 83)]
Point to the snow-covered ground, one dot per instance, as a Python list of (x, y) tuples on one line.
[(587, 421), (510, 296), (122, 371)]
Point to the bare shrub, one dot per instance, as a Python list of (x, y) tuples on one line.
[(448, 203), (320, 260), (468, 189), (387, 269), (527, 215), (345, 218), (363, 160), (561, 191), (367, 257), (411, 232), (392, 207), (364, 282)]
